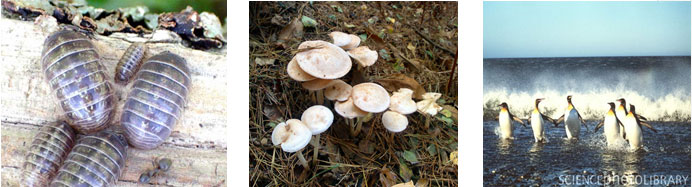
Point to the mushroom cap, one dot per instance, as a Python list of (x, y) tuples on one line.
[(401, 101), (348, 110), (323, 60), (363, 55), (338, 90), (317, 118), (394, 122), (317, 84), (429, 105), (370, 97), (340, 39), (292, 135), (296, 73), (355, 41)]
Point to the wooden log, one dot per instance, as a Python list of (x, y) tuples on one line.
[(197, 144)]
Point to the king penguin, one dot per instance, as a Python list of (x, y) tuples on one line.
[(621, 113), (505, 119), (611, 126), (536, 119), (633, 128), (571, 119)]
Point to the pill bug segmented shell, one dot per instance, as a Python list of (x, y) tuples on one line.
[(47, 152), (129, 63), (95, 160), (156, 100), (72, 69)]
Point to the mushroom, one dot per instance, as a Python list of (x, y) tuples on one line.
[(355, 41), (323, 60), (338, 90), (349, 111), (363, 55), (340, 39), (428, 106), (316, 87), (369, 97), (401, 101), (292, 135), (317, 118), (296, 73), (394, 121)]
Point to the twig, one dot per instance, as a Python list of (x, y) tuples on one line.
[(433, 43), (451, 75)]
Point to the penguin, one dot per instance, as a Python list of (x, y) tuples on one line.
[(621, 113), (571, 119), (505, 119), (612, 126), (536, 119), (633, 128)]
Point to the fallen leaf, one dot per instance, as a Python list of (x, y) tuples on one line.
[(422, 183), (294, 29), (405, 172), (366, 147), (338, 8), (390, 20), (308, 22), (410, 157), (398, 80), (387, 177), (453, 157), (411, 47), (408, 184), (264, 61), (363, 37), (452, 110), (349, 25), (432, 150), (272, 112)]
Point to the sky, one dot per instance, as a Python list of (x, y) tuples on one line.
[(579, 29)]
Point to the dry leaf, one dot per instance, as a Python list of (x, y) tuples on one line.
[(411, 47), (264, 61), (293, 29), (272, 112), (396, 81), (453, 111), (408, 184), (387, 177), (453, 157), (422, 183)]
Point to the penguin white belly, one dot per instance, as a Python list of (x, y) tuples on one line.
[(611, 130), (633, 132), (572, 124), (537, 126), (505, 126), (620, 113)]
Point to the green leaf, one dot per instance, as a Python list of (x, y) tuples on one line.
[(363, 37), (413, 141), (405, 172), (271, 124), (337, 8), (431, 149), (331, 16), (371, 20), (384, 54), (429, 54), (308, 22), (446, 113), (410, 157), (446, 119), (349, 25)]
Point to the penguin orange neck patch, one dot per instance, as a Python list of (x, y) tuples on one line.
[(570, 107)]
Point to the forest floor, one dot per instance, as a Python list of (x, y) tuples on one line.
[(413, 39)]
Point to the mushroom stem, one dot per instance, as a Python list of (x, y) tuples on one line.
[(359, 123), (427, 121), (302, 159), (320, 97), (317, 146)]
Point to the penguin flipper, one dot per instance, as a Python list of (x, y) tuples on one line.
[(648, 125), (598, 126), (642, 117), (559, 120), (518, 120), (582, 120), (551, 120)]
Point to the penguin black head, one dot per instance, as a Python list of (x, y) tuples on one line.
[(622, 101), (503, 105), (569, 98), (612, 105), (538, 100), (632, 109)]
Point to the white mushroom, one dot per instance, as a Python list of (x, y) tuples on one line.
[(323, 60), (296, 73), (428, 106), (316, 87), (355, 41), (293, 136), (340, 39), (318, 119), (349, 111), (370, 97), (363, 55), (394, 121), (338, 90), (401, 101)]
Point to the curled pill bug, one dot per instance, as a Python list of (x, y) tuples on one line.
[(49, 148), (129, 63), (71, 66), (155, 102), (95, 160)]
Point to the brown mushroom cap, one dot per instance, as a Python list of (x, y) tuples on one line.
[(340, 39), (317, 84), (355, 41), (364, 56), (338, 90), (296, 73), (348, 110), (370, 97), (401, 101), (394, 122), (323, 60)]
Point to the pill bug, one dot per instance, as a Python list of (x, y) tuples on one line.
[(72, 69), (129, 63), (47, 152), (156, 100), (95, 160)]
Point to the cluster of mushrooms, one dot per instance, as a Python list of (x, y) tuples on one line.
[(318, 65)]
